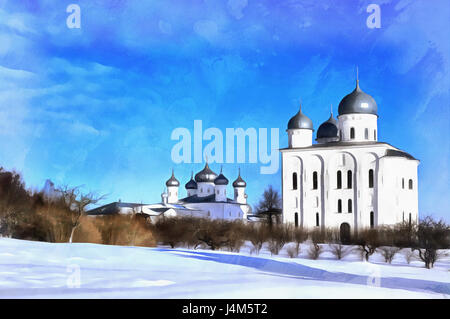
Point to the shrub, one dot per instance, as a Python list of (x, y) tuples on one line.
[(314, 251), (214, 233), (257, 235), (293, 250), (339, 251), (409, 255), (129, 230), (388, 253), (278, 236)]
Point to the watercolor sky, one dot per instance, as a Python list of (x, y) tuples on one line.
[(96, 106)]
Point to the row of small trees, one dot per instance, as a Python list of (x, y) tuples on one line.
[(426, 238)]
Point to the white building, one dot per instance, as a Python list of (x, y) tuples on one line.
[(206, 197), (348, 179)]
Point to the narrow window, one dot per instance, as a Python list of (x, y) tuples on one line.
[(339, 180), (350, 206), (403, 183), (339, 206), (296, 219), (410, 220), (352, 133), (410, 184), (370, 178), (403, 216), (349, 179), (294, 181), (315, 180), (375, 135), (317, 219), (366, 133), (372, 220)]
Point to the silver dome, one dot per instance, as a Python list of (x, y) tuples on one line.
[(300, 121), (239, 182), (221, 179), (328, 129), (172, 181), (206, 175), (358, 102), (191, 184)]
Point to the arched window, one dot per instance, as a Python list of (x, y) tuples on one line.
[(375, 135), (339, 205), (317, 219), (296, 219), (410, 184), (403, 183), (294, 180), (366, 133), (350, 206), (352, 132), (372, 220), (339, 180), (410, 220), (315, 183), (370, 178), (349, 179)]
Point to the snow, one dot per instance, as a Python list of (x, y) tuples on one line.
[(46, 270)]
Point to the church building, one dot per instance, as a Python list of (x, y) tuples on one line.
[(347, 180), (206, 196)]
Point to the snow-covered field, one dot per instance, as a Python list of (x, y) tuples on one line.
[(45, 270)]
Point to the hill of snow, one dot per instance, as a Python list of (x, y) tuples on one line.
[(46, 270)]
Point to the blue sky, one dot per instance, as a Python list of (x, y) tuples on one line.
[(96, 106)]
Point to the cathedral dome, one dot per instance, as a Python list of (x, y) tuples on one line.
[(358, 102), (172, 181), (206, 175), (191, 184), (328, 129), (221, 179), (300, 121), (239, 182)]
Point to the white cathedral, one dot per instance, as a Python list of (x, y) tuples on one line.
[(347, 180)]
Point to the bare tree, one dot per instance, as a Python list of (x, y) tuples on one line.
[(368, 242), (431, 236), (269, 206), (77, 202)]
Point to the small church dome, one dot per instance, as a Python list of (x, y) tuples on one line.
[(239, 182), (172, 181), (358, 102), (206, 175), (191, 184), (328, 129), (300, 121), (221, 179)]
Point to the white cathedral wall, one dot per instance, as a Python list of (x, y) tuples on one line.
[(327, 161), (205, 189), (300, 137), (224, 210), (172, 192), (398, 201), (360, 122)]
